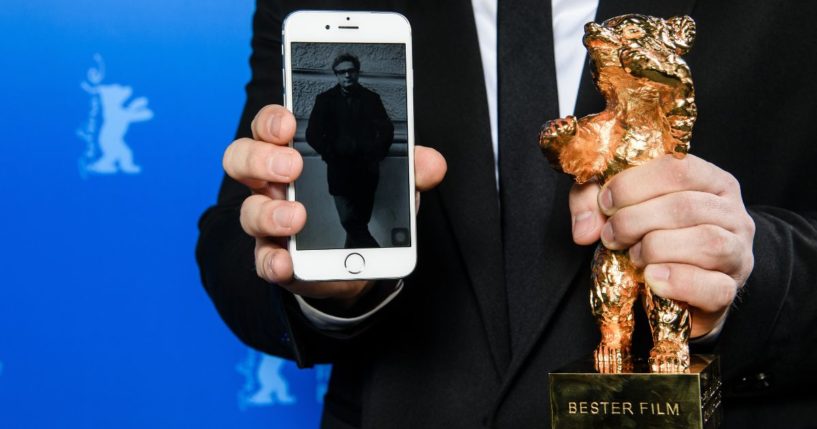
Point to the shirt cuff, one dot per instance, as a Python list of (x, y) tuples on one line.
[(329, 322)]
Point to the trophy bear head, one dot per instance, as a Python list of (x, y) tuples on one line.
[(642, 46)]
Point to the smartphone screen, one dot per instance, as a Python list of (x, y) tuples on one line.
[(350, 102)]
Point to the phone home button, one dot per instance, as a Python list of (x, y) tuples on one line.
[(355, 263)]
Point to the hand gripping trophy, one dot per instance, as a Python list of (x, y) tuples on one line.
[(650, 112)]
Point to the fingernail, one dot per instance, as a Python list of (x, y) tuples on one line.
[(607, 234), (657, 277), (283, 216), (274, 125), (281, 165), (606, 200), (582, 223)]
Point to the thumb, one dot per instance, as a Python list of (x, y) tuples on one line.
[(587, 218), (429, 168)]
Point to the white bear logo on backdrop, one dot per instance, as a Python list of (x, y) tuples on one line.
[(105, 149), (265, 385)]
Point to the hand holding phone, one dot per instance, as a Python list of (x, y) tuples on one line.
[(266, 165)]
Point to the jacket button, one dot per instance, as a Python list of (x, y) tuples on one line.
[(762, 381), (756, 382)]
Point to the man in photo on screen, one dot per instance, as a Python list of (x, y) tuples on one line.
[(352, 132)]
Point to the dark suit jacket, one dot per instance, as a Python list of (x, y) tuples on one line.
[(352, 136), (445, 353)]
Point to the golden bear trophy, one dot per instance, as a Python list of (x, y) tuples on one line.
[(650, 112)]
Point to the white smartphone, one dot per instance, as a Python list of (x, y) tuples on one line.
[(348, 81)]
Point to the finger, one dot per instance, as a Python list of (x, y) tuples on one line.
[(276, 191), (265, 217), (586, 217), (272, 262), (663, 176), (274, 124), (256, 163), (710, 291), (429, 168), (672, 211), (706, 246)]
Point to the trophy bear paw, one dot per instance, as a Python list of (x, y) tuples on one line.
[(613, 359), (669, 357), (553, 137), (556, 129)]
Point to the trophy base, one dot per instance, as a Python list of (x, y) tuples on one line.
[(582, 397)]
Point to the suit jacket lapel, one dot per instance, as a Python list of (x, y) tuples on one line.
[(449, 79), (453, 117)]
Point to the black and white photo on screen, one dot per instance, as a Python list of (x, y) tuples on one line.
[(349, 100)]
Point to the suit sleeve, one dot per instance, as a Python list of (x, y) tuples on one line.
[(262, 315), (769, 342), (765, 136)]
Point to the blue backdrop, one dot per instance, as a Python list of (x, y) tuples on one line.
[(114, 118)]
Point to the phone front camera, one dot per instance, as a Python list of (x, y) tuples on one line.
[(347, 18), (327, 27)]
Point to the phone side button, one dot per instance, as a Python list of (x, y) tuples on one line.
[(355, 263)]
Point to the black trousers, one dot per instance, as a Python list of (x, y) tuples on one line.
[(355, 211)]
